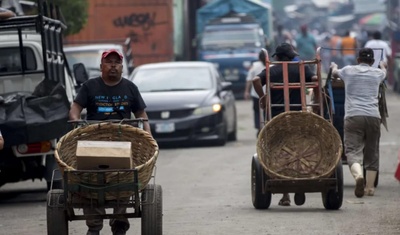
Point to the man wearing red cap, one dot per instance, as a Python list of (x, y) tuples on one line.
[(109, 96)]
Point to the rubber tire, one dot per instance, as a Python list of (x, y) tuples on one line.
[(57, 219), (376, 179), (299, 199), (152, 212), (258, 177), (223, 138), (333, 199), (57, 184), (233, 135)]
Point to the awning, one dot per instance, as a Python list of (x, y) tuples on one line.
[(341, 18), (376, 19)]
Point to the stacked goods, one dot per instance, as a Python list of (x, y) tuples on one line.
[(144, 153)]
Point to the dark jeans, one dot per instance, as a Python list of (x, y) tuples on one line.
[(361, 141), (121, 224), (256, 108)]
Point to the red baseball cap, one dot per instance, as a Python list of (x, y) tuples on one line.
[(108, 52)]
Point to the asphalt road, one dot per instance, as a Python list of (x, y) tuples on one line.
[(206, 191)]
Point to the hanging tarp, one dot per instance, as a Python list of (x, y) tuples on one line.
[(29, 118)]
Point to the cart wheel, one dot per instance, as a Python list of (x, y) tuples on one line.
[(152, 210), (258, 177), (333, 199), (57, 184), (57, 219), (299, 198), (376, 179)]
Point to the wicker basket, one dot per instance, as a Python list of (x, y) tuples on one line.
[(299, 145), (144, 155)]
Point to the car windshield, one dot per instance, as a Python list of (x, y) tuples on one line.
[(231, 38), (10, 60), (173, 79), (91, 59)]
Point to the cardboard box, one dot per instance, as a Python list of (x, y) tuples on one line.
[(103, 155)]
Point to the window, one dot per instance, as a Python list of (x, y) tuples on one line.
[(10, 60), (173, 79)]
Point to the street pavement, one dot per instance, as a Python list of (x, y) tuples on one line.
[(206, 191)]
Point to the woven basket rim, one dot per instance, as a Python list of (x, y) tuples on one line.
[(102, 125), (337, 138)]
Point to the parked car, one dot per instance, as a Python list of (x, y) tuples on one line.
[(187, 101), (90, 56)]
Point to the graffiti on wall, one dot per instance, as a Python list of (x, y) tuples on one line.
[(141, 25)]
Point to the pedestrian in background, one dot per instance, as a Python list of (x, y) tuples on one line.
[(382, 50), (348, 46), (362, 118), (306, 44), (256, 68)]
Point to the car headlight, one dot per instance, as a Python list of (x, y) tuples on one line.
[(227, 71), (247, 64), (235, 71), (215, 108)]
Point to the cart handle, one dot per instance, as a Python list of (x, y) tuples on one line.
[(81, 122)]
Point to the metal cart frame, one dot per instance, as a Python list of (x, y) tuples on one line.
[(263, 186), (147, 204)]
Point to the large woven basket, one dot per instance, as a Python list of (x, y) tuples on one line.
[(144, 155), (299, 145)]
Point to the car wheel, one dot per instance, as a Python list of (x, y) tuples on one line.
[(396, 87), (233, 135), (221, 141)]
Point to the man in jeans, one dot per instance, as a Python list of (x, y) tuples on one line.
[(362, 118), (109, 97)]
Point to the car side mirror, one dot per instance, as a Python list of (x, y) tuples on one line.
[(80, 73), (226, 86)]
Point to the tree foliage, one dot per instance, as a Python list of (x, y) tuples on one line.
[(74, 12)]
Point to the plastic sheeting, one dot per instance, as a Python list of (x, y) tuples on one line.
[(219, 8), (29, 118)]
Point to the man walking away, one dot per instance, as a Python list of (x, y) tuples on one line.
[(348, 46), (256, 68), (382, 50), (362, 118)]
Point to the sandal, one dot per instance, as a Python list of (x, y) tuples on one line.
[(284, 202)]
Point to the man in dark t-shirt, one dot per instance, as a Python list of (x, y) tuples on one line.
[(109, 97), (283, 52)]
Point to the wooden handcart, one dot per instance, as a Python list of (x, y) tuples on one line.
[(297, 151), (133, 189)]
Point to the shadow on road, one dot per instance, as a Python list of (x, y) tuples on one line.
[(22, 196)]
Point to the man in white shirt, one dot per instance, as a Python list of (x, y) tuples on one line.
[(256, 68), (382, 50), (362, 118)]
